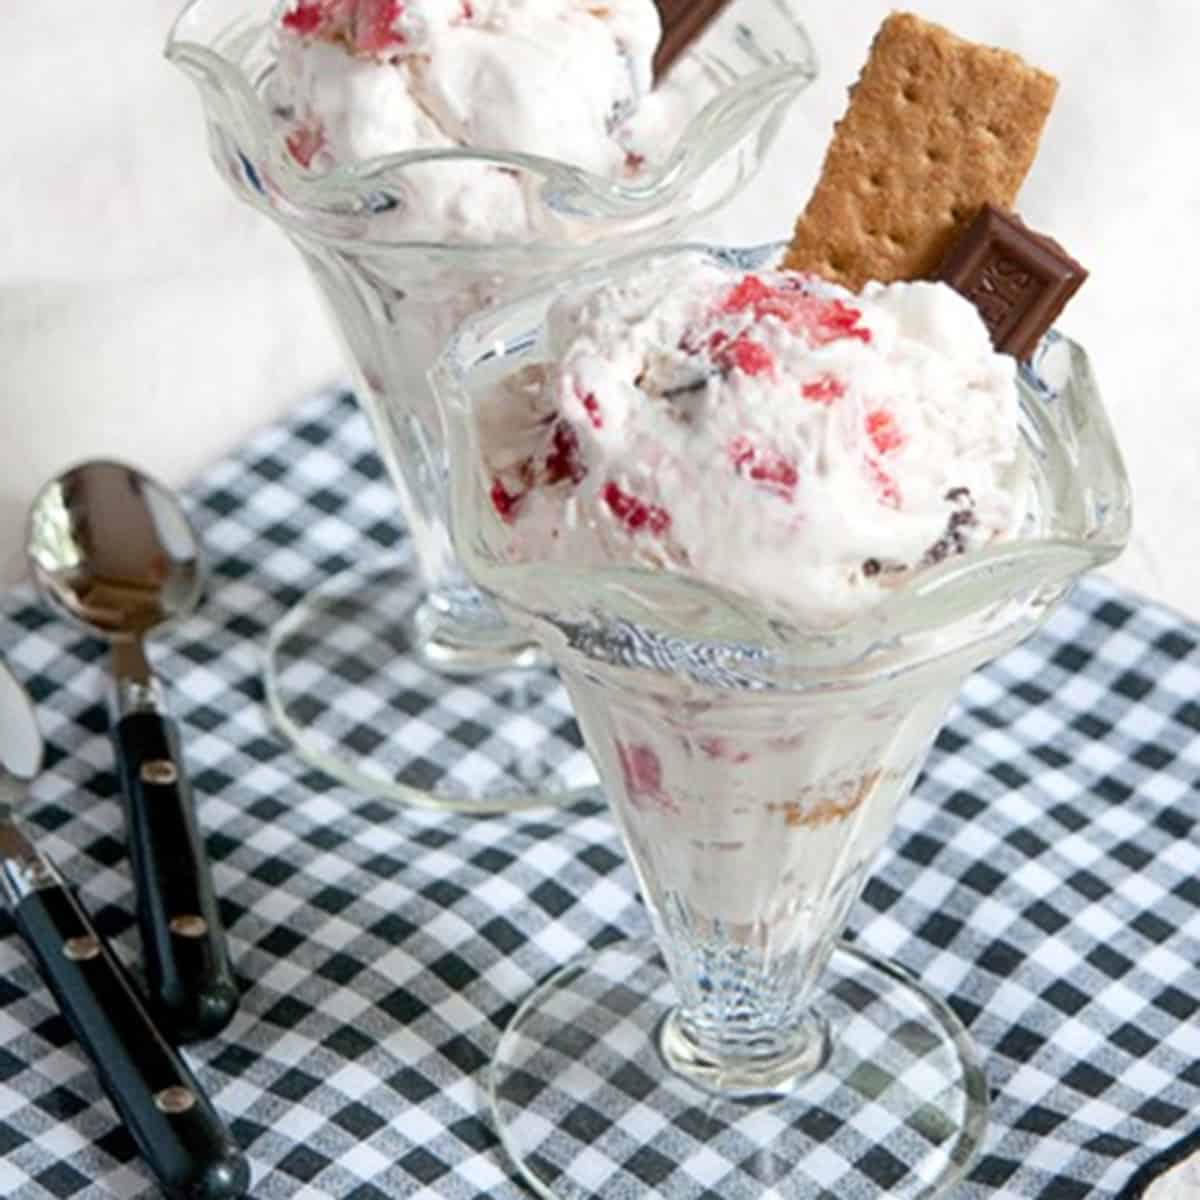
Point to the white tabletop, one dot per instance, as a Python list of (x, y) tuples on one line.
[(145, 313)]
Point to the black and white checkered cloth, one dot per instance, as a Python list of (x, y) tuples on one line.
[(1045, 878)]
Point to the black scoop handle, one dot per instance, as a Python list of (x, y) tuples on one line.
[(188, 973)]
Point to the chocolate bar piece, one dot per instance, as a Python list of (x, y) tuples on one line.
[(1018, 280), (683, 21)]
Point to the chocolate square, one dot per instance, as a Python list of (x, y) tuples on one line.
[(1018, 280)]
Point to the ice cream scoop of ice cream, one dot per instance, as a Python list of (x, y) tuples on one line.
[(558, 78), (767, 433)]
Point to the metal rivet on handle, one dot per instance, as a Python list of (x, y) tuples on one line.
[(189, 925), (160, 771), (80, 949), (172, 1100), (39, 874)]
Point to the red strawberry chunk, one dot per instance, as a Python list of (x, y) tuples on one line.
[(749, 292), (776, 473), (505, 502), (305, 19), (305, 142), (643, 774), (841, 321), (319, 18), (885, 486), (641, 767), (883, 431), (633, 513), (719, 748), (466, 10), (591, 406), (825, 389), (742, 354), (374, 22), (835, 319), (562, 460)]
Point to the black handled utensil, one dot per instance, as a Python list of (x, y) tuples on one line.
[(112, 550), (177, 1130)]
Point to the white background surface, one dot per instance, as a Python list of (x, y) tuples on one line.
[(144, 313)]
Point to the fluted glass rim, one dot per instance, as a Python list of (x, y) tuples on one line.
[(327, 205), (959, 594)]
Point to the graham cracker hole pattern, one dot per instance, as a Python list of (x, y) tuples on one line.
[(940, 126)]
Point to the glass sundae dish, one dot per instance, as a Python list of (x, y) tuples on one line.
[(755, 735), (402, 247)]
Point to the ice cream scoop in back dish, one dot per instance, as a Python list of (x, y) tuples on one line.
[(765, 528), (427, 159)]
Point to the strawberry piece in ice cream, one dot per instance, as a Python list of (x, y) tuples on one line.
[(633, 513), (326, 19), (305, 142), (825, 389), (375, 26)]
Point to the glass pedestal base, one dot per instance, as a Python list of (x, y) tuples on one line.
[(347, 687), (586, 1106)]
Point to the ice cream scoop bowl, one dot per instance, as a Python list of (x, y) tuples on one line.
[(395, 298), (755, 769)]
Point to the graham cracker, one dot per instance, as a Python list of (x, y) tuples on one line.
[(936, 128)]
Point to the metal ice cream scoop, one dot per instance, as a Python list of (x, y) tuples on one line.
[(177, 1130), (113, 551)]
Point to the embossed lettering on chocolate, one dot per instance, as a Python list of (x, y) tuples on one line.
[(1019, 280)]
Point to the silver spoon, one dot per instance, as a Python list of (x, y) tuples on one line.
[(112, 550), (177, 1130)]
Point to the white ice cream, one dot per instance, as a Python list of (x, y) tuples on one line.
[(567, 80), (769, 434), (766, 822)]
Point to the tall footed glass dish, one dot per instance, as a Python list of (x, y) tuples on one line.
[(389, 641), (754, 770)]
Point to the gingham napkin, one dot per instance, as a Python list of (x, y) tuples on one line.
[(1045, 878)]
